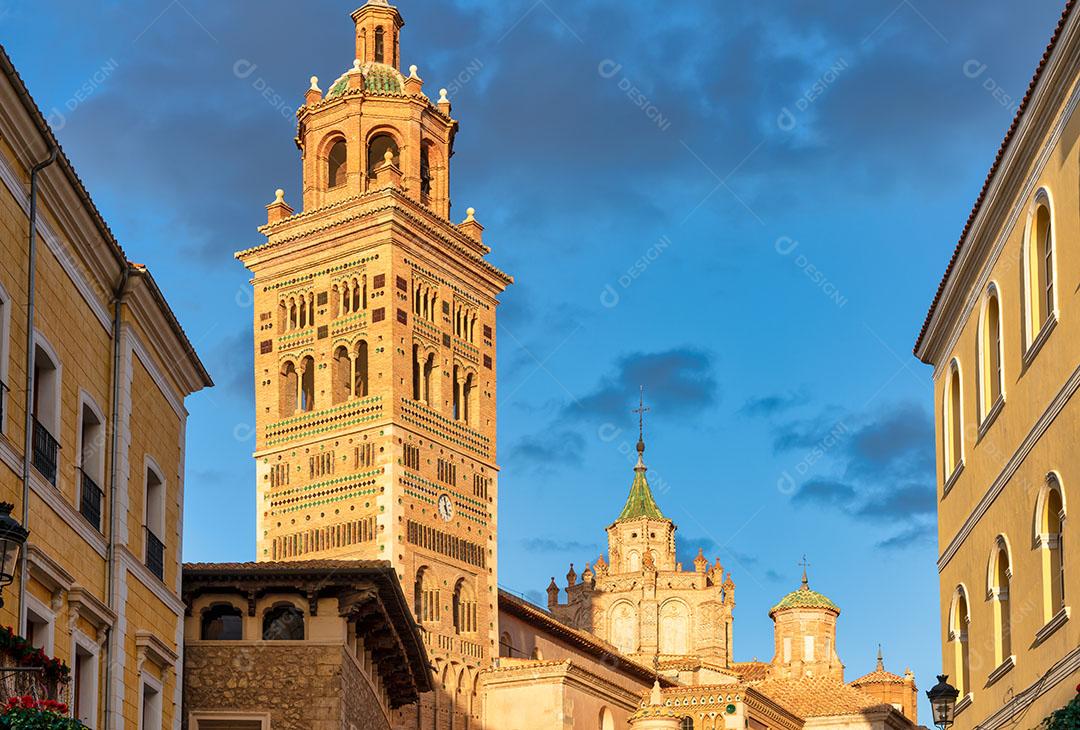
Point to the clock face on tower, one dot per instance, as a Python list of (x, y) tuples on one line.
[(446, 507)]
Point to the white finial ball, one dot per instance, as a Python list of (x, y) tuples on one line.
[(314, 83), (356, 64), (279, 196), (469, 213), (388, 156), (412, 71), (442, 96)]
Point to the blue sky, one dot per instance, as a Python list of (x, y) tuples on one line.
[(745, 206)]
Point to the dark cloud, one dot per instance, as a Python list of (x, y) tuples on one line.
[(901, 442), (910, 500), (881, 467), (772, 405), (679, 381), (232, 360), (825, 492), (549, 450)]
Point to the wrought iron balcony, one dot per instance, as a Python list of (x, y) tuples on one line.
[(45, 448), (155, 554), (90, 501)]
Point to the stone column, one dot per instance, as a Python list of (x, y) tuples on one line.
[(352, 375)]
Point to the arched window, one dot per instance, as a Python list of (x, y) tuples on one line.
[(953, 421), (360, 376), (380, 45), (506, 646), (464, 608), (1039, 268), (307, 384), (337, 165), (427, 372), (426, 597), (1049, 539), (342, 375), (283, 622), (288, 389), (674, 628), (959, 625), (1000, 582), (624, 628), (633, 561), (468, 399), (425, 169), (607, 720), (991, 373), (687, 723), (377, 149), (222, 622)]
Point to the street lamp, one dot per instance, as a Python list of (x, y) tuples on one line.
[(943, 701), (12, 538)]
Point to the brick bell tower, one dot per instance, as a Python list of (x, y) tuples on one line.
[(375, 366)]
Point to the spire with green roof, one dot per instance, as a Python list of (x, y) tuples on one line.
[(640, 503)]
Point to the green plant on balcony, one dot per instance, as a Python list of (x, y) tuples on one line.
[(27, 713), (25, 654), (1067, 718)]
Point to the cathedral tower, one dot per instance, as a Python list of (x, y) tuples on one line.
[(375, 372)]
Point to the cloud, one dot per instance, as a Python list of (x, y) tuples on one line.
[(879, 469), (547, 545), (824, 492), (901, 442), (910, 500), (920, 534), (677, 381), (772, 405), (549, 449)]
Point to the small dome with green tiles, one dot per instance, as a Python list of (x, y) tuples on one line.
[(378, 77), (804, 598)]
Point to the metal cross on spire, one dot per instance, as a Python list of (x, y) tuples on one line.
[(641, 410), (805, 564)]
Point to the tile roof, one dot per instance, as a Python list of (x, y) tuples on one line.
[(804, 598), (751, 671), (1009, 134), (816, 696), (640, 502), (878, 676)]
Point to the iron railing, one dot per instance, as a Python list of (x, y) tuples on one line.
[(45, 448), (90, 501), (155, 554)]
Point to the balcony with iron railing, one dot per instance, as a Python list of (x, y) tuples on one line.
[(45, 449), (90, 499), (155, 554)]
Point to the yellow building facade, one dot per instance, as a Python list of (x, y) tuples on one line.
[(375, 361), (1003, 337), (103, 490)]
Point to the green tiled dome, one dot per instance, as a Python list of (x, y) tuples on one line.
[(378, 77), (804, 598)]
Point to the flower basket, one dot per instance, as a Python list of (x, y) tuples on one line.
[(28, 713)]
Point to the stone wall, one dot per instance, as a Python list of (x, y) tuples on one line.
[(302, 686)]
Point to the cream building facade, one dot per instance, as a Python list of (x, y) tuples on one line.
[(103, 490), (1003, 337)]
